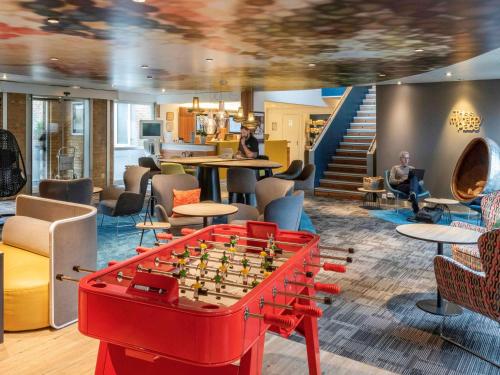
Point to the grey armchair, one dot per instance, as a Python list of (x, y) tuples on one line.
[(293, 171), (76, 191), (129, 201), (399, 194), (162, 188), (266, 191), (241, 184), (149, 162), (305, 181), (286, 211)]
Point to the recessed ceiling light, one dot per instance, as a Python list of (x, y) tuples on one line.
[(381, 75), (4, 76), (400, 83), (419, 50), (53, 20), (54, 59), (312, 65), (163, 90), (144, 66), (448, 74), (139, 1), (113, 85), (149, 77), (209, 59), (75, 87)]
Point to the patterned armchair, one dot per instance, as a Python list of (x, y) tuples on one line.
[(476, 291), (469, 254)]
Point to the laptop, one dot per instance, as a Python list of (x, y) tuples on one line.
[(419, 173)]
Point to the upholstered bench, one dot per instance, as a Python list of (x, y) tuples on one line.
[(46, 237)]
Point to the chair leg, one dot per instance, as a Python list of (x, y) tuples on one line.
[(102, 220), (133, 219), (453, 342)]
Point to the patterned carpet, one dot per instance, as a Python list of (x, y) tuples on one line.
[(375, 319)]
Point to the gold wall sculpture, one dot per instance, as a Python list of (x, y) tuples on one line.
[(465, 121)]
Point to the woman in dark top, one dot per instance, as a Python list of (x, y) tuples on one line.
[(249, 146)]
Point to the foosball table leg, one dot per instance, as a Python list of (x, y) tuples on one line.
[(310, 329), (251, 362)]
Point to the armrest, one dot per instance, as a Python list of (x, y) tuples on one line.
[(129, 203), (458, 283), (245, 212), (461, 224), (161, 213), (111, 192)]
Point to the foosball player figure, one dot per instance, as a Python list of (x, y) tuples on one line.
[(204, 256), (233, 240), (232, 251), (203, 246), (202, 267), (186, 254), (244, 261), (244, 274), (181, 263), (254, 281), (218, 280), (224, 258), (223, 271), (196, 287), (182, 278)]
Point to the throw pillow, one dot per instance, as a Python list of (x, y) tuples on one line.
[(182, 197)]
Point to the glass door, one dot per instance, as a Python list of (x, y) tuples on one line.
[(60, 139)]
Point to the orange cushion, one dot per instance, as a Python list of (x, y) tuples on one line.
[(182, 197)]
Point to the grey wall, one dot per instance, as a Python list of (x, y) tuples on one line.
[(414, 117)]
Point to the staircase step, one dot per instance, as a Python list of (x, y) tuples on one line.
[(363, 131), (340, 184), (358, 138), (372, 91), (364, 126), (350, 152), (369, 101), (367, 113), (368, 107), (371, 96), (355, 177), (338, 193), (346, 168), (365, 119), (348, 160), (355, 145)]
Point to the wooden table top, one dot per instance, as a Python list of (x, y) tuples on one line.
[(154, 225), (205, 209), (96, 189), (245, 163), (371, 190), (193, 160), (441, 201), (439, 233)]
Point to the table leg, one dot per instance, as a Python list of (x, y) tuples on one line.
[(439, 306), (205, 221), (208, 178)]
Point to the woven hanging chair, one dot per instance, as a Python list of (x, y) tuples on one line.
[(12, 169), (477, 171)]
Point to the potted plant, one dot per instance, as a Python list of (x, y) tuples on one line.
[(203, 134)]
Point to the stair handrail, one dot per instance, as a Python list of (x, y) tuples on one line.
[(371, 157), (330, 120)]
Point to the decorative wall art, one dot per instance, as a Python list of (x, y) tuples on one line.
[(465, 121)]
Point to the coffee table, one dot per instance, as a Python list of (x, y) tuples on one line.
[(444, 204), (205, 210), (440, 234), (152, 225), (371, 199)]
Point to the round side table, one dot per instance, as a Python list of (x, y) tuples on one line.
[(205, 210), (371, 199)]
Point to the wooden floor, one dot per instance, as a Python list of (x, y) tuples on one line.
[(66, 351)]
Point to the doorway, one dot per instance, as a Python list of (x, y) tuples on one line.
[(60, 139), (292, 131)]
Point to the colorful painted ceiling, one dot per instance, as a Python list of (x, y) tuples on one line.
[(265, 44)]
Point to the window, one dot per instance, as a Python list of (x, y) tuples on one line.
[(77, 118), (126, 123)]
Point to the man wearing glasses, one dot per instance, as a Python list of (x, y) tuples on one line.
[(403, 179)]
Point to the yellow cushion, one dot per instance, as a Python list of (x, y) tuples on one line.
[(26, 289)]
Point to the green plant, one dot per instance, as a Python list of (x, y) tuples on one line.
[(201, 132)]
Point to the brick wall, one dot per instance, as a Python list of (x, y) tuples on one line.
[(16, 120), (99, 117)]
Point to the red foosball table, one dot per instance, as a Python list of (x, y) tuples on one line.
[(202, 304)]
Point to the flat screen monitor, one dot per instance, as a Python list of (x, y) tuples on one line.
[(234, 127), (151, 129)]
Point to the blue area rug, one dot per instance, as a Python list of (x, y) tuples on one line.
[(402, 217)]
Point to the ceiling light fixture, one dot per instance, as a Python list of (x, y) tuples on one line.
[(144, 66), (149, 77), (163, 90), (448, 74), (209, 59), (75, 87), (419, 50), (54, 59), (4, 76), (53, 20), (400, 83), (312, 65), (139, 1), (381, 75)]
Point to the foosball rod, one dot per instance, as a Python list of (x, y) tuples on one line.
[(120, 276), (191, 277), (62, 277), (349, 250), (325, 300), (284, 321), (258, 239), (225, 244), (328, 266), (229, 261), (333, 257), (318, 287), (159, 261), (297, 308)]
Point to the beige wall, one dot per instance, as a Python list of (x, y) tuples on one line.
[(164, 108), (281, 114)]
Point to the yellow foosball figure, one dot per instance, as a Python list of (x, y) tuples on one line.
[(203, 246), (196, 287), (202, 267), (244, 275), (218, 280)]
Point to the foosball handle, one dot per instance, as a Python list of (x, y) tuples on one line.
[(307, 310), (186, 231), (327, 288), (309, 274), (334, 267), (142, 249), (112, 262), (285, 322), (165, 236)]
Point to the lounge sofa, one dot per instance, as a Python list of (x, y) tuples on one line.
[(45, 238)]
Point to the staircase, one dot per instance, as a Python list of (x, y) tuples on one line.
[(348, 166)]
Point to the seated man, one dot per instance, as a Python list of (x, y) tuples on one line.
[(401, 178), (249, 146)]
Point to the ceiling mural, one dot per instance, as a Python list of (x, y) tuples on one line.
[(265, 44)]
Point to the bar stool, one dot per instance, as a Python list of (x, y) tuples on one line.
[(241, 185)]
